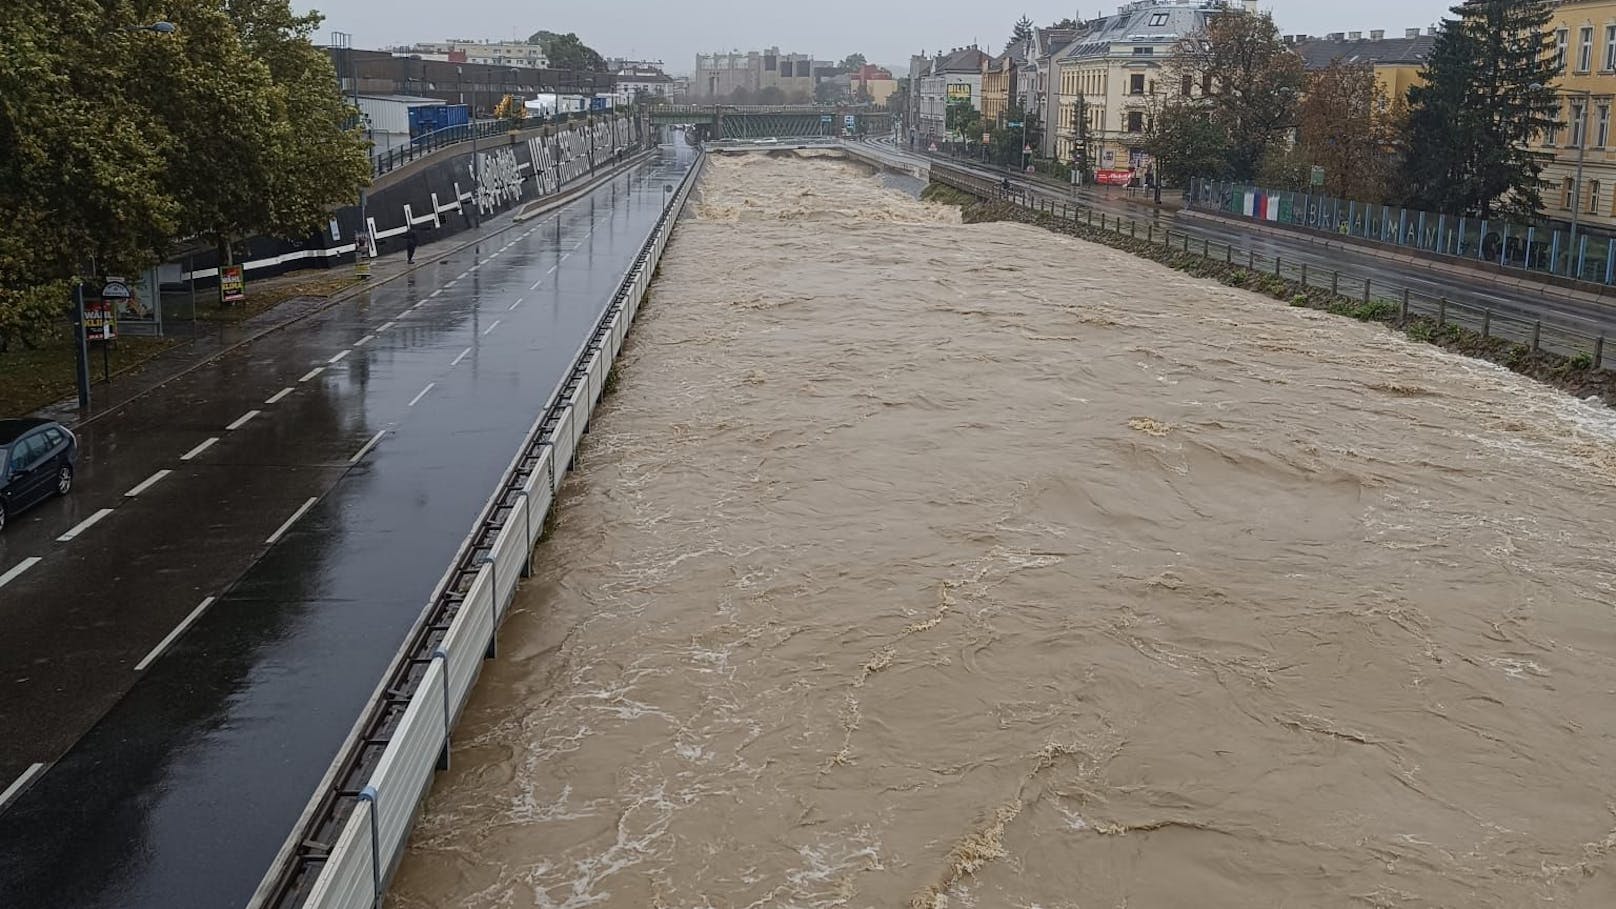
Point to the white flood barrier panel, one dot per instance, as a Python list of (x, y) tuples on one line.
[(354, 874)]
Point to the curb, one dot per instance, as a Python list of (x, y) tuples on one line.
[(346, 294)]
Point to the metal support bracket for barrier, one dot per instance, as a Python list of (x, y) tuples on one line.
[(527, 533), (443, 755), (369, 794), (493, 607)]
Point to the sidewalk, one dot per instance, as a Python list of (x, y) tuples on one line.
[(215, 339)]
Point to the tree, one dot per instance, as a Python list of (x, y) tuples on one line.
[(964, 119), (1488, 91), (1346, 125), (771, 94), (827, 92), (1186, 142), (1021, 33), (81, 161), (1256, 82), (1067, 23), (568, 52), (852, 63)]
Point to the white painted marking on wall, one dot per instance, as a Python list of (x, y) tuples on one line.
[(278, 396), (209, 443), (20, 783), (178, 630), (83, 525), (463, 354), (490, 329), (17, 570), (149, 482), (312, 373), (417, 399), (281, 530), (358, 456), (242, 420), (339, 357)]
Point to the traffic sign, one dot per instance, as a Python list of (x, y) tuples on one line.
[(1014, 124)]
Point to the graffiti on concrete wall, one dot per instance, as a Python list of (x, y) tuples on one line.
[(500, 180)]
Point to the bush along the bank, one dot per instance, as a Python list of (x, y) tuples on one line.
[(1572, 374)]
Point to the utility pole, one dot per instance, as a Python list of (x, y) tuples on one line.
[(1574, 254)]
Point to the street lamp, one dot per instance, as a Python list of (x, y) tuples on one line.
[(1580, 130)]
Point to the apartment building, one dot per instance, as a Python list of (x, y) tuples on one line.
[(480, 52), (1398, 62), (721, 76), (1585, 43)]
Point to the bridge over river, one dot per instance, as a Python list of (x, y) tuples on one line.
[(781, 121)]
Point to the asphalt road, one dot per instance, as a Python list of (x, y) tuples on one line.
[(1476, 290), (249, 547)]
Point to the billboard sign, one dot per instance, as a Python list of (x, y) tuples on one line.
[(1113, 177), (959, 91), (232, 284)]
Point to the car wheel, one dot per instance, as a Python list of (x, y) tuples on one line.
[(2, 516), (64, 480)]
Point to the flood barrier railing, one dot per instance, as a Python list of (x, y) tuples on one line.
[(1559, 336), (353, 834), (1536, 249)]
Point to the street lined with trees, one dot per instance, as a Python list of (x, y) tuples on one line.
[(119, 141)]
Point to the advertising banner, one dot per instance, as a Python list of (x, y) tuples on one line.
[(232, 284), (959, 91), (1113, 177), (101, 310)]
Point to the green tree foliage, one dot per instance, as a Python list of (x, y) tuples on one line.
[(80, 169), (964, 119), (852, 63), (568, 52), (1256, 83), (1020, 33), (1186, 143), (116, 143), (1488, 91)]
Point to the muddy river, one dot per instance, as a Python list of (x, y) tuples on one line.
[(915, 564)]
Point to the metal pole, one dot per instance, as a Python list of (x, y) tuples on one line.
[(1576, 187), (81, 348)]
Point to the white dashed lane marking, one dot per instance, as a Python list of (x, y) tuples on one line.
[(178, 630), (243, 420), (83, 525), (208, 443), (149, 482)]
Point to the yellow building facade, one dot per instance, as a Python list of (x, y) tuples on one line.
[(1584, 33), (998, 87)]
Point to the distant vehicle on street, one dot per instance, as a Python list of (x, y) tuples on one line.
[(36, 462)]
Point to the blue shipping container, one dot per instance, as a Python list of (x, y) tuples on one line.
[(429, 118)]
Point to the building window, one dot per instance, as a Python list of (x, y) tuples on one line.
[(1188, 86), (1602, 126), (1136, 121), (1206, 85), (1158, 19), (1136, 84), (1561, 36), (1552, 136), (1610, 48), (1578, 123), (1144, 51), (1593, 197), (1585, 49), (1565, 193)]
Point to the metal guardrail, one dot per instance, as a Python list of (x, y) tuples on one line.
[(355, 833), (1550, 335)]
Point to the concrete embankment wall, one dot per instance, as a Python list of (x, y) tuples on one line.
[(440, 195)]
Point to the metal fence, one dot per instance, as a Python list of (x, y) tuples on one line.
[(431, 143), (1541, 249), (1377, 296)]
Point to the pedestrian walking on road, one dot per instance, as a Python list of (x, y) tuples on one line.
[(410, 239)]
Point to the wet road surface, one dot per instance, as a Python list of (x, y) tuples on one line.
[(278, 521), (1476, 290)]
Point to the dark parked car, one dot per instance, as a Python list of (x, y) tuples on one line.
[(36, 462)]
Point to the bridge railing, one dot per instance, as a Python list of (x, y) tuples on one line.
[(431, 143)]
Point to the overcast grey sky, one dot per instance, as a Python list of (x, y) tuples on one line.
[(885, 31)]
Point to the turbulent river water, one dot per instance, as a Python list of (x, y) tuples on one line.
[(915, 564)]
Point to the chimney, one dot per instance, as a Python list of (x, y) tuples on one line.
[(1336, 36), (1377, 35), (1411, 33), (1354, 36), (1431, 31)]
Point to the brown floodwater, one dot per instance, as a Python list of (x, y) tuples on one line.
[(916, 564)]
